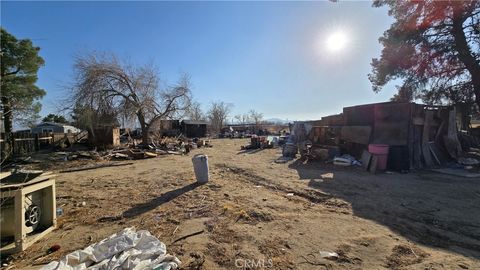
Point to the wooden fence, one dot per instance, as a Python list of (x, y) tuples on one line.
[(24, 143)]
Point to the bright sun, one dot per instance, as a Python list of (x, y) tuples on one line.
[(337, 41)]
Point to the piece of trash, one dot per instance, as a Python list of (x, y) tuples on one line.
[(290, 194), (327, 176), (346, 160), (128, 249), (59, 211), (83, 203), (329, 255), (342, 161), (53, 249)]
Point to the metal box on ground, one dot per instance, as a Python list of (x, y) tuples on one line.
[(27, 209)]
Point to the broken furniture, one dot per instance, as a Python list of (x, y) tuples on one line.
[(28, 208)]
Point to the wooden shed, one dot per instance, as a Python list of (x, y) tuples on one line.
[(194, 129), (104, 137), (418, 135)]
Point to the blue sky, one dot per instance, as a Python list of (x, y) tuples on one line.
[(267, 56)]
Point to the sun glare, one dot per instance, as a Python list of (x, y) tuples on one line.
[(337, 41)]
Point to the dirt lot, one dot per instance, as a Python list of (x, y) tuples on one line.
[(418, 220)]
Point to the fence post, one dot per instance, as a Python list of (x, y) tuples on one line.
[(37, 142), (12, 143)]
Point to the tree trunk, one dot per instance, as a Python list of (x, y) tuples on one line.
[(144, 126), (7, 148), (7, 115), (465, 55)]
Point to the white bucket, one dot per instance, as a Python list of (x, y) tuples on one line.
[(200, 166)]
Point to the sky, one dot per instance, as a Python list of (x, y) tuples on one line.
[(287, 60)]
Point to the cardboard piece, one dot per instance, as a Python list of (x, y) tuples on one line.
[(373, 165), (366, 159)]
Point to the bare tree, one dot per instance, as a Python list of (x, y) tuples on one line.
[(238, 118), (256, 118), (218, 114), (195, 112), (242, 118), (102, 81)]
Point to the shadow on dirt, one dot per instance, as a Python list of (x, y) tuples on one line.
[(156, 202), (431, 209), (250, 151)]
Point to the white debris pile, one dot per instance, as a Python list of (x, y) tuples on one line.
[(127, 249)]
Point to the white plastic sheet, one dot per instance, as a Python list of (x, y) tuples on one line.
[(127, 249)]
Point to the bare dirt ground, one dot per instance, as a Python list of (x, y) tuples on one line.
[(418, 220)]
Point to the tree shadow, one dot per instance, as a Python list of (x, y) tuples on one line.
[(156, 202), (430, 209), (306, 171), (314, 170)]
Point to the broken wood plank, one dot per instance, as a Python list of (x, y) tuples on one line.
[(433, 153), (188, 235), (439, 132), (427, 157), (366, 159), (373, 165), (452, 144)]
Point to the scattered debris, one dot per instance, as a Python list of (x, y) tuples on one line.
[(258, 142)]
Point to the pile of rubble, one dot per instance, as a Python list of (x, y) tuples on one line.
[(132, 150), (168, 145), (262, 142)]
